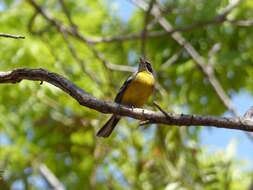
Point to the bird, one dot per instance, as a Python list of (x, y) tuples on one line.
[(134, 93)]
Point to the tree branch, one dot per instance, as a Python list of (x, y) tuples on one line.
[(242, 23), (218, 19), (75, 56), (11, 36), (67, 13), (89, 101), (145, 28), (74, 32), (51, 179), (207, 70)]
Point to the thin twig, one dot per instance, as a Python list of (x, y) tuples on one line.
[(67, 13), (159, 108), (171, 60), (144, 32), (206, 69), (36, 32), (232, 5), (79, 61), (111, 66), (51, 179), (200, 61), (146, 122), (134, 36), (242, 23), (11, 36), (76, 34), (215, 48), (218, 19)]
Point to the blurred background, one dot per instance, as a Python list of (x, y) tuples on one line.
[(47, 140)]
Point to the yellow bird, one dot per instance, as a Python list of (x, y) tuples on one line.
[(134, 93)]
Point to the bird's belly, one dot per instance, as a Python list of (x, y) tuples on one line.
[(138, 92)]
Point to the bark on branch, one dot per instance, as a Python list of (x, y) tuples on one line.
[(88, 100), (49, 176), (11, 36)]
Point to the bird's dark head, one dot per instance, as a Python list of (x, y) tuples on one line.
[(144, 65)]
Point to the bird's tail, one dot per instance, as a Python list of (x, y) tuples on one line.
[(107, 129)]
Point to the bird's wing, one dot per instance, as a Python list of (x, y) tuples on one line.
[(123, 88)]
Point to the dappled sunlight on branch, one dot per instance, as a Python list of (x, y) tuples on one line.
[(87, 100)]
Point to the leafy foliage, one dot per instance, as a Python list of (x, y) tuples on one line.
[(41, 124)]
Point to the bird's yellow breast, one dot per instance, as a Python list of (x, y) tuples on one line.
[(139, 90)]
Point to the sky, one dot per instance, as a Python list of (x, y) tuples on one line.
[(217, 139)]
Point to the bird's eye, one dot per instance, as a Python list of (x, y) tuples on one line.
[(149, 67)]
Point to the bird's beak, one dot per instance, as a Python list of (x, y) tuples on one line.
[(142, 64), (142, 60)]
